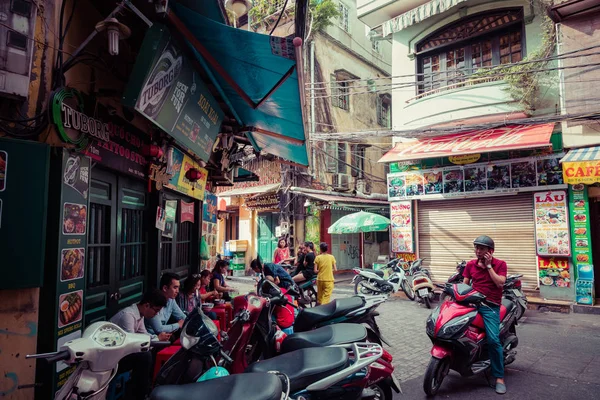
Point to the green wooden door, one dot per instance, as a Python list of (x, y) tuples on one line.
[(267, 242)]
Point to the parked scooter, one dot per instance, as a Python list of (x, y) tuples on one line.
[(512, 290), (458, 335), (340, 372), (422, 285), (373, 281), (96, 354)]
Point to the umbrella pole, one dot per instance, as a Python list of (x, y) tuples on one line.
[(362, 250)]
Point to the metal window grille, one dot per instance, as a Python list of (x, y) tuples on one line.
[(340, 93), (344, 20)]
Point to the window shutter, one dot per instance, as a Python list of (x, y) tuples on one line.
[(341, 155), (354, 160), (334, 91), (330, 161), (379, 111)]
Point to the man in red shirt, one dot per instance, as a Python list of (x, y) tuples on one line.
[(487, 275)]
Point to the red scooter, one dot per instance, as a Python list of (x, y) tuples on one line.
[(458, 335)]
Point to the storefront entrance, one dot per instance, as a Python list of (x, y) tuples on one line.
[(595, 231), (447, 228), (267, 242), (117, 244)]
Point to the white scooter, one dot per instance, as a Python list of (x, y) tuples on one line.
[(374, 281), (103, 344), (421, 283)]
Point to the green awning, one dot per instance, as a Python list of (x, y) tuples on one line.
[(417, 15)]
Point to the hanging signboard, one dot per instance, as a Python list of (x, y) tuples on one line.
[(551, 223), (167, 90), (106, 139), (511, 176), (402, 227), (186, 212), (582, 244), (209, 225), (178, 164), (587, 172)]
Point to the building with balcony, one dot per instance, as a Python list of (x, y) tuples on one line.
[(475, 136)]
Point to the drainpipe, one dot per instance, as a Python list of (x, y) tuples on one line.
[(312, 105)]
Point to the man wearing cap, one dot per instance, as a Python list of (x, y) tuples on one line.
[(487, 275)]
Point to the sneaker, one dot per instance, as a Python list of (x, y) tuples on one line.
[(500, 388)]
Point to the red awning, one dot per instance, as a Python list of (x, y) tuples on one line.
[(511, 137)]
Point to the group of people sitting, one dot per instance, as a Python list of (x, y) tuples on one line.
[(162, 312)]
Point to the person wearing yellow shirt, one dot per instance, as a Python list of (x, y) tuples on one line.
[(324, 267)]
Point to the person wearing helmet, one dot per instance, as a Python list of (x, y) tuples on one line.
[(487, 275)]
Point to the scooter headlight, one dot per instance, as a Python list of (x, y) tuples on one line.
[(455, 326)]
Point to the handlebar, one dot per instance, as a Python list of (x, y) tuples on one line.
[(52, 357)]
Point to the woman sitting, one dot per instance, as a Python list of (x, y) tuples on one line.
[(191, 296), (218, 283)]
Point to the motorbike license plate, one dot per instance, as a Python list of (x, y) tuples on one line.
[(516, 292), (423, 292)]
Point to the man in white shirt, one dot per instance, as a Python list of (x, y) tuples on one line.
[(131, 319)]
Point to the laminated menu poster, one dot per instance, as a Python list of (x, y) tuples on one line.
[(581, 240), (402, 227), (551, 223), (209, 225)]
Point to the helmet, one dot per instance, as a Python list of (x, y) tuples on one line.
[(212, 373), (484, 240)]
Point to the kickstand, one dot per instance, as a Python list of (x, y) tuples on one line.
[(487, 378)]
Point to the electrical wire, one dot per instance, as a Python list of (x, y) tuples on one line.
[(279, 19), (372, 177)]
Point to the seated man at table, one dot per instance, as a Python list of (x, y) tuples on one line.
[(169, 285), (131, 319)]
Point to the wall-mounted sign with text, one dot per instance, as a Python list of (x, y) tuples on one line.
[(552, 223), (178, 164), (402, 227), (106, 139), (166, 89)]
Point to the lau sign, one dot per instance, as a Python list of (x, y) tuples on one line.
[(108, 143), (167, 90)]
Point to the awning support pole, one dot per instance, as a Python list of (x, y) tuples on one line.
[(272, 134)]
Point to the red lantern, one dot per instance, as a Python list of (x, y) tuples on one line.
[(193, 174), (152, 150)]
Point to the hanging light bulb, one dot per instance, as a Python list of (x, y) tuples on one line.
[(239, 7), (116, 31)]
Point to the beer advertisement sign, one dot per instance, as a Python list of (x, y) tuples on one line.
[(167, 90)]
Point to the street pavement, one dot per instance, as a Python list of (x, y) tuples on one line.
[(558, 356)]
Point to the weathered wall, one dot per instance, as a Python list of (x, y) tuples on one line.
[(579, 88)]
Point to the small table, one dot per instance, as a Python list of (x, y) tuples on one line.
[(224, 312)]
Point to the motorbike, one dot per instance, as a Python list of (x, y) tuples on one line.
[(512, 289), (374, 282), (458, 335), (306, 292), (422, 285), (343, 371), (96, 354)]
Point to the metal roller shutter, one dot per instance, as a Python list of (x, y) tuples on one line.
[(447, 229)]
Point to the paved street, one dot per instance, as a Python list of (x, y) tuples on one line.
[(558, 356)]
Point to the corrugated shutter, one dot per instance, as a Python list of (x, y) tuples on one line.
[(447, 229)]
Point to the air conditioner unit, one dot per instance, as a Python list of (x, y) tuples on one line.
[(341, 182), (16, 48), (363, 186)]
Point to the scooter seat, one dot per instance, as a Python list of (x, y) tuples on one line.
[(311, 317), (506, 306), (325, 336), (258, 386), (305, 366), (378, 272)]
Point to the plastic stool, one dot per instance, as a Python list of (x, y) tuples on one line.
[(163, 356), (116, 389)]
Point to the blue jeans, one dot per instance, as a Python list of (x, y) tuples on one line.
[(491, 320)]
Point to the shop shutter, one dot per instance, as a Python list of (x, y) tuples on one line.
[(447, 229)]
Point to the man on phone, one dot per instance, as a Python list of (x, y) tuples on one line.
[(487, 275)]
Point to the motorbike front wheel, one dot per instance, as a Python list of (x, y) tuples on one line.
[(408, 290), (359, 288), (435, 374), (383, 391), (312, 295)]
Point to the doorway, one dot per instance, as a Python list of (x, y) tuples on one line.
[(595, 236), (117, 245), (267, 242)]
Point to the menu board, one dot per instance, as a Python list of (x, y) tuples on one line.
[(70, 280), (554, 272), (524, 174), (551, 223), (167, 90), (402, 227), (581, 239)]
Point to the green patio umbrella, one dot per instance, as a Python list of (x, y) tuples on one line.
[(360, 222)]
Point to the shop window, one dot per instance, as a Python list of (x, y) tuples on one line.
[(384, 110), (99, 246), (449, 56), (344, 19)]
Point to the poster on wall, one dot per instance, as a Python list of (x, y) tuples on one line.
[(554, 272), (170, 213), (517, 175), (402, 227), (551, 223), (178, 164), (582, 244), (209, 225), (70, 280)]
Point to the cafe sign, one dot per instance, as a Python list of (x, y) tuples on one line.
[(106, 139), (586, 172)]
